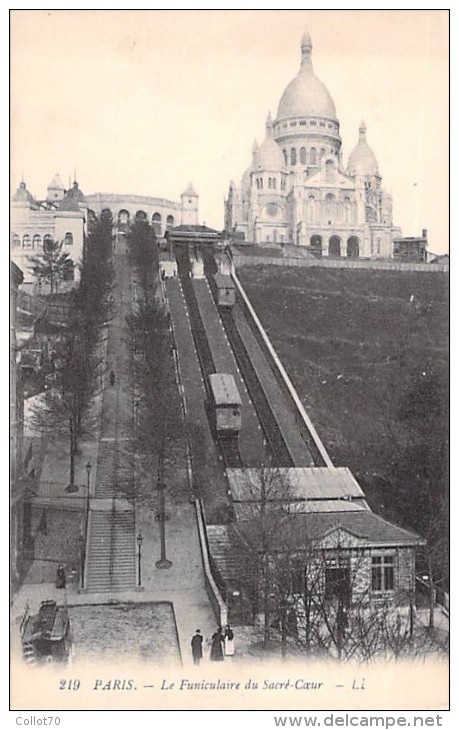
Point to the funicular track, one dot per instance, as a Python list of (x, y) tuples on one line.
[(229, 446), (280, 453)]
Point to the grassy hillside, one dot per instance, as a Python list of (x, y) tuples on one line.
[(371, 367)]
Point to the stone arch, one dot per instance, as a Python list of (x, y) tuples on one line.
[(106, 215), (334, 247), (170, 222), (123, 218), (26, 242), (353, 247), (156, 221), (36, 241), (141, 216), (315, 245), (92, 215)]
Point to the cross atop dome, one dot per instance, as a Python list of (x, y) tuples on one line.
[(362, 130)]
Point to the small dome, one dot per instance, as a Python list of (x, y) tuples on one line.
[(362, 160), (269, 155), (306, 95), (22, 195), (72, 198)]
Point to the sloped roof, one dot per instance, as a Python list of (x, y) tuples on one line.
[(298, 483)]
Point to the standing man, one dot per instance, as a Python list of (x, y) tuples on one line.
[(196, 647)]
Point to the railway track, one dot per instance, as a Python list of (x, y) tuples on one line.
[(280, 453), (229, 447), (197, 327)]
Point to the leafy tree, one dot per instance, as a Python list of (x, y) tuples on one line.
[(52, 265)]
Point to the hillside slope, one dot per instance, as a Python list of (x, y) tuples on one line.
[(368, 354)]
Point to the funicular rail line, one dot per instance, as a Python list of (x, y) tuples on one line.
[(229, 446), (278, 447)]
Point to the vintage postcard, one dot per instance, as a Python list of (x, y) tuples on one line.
[(229, 263)]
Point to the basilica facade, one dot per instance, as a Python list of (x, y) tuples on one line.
[(297, 189)]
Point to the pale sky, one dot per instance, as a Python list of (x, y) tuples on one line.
[(146, 101)]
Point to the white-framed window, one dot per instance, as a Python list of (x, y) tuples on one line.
[(68, 239), (382, 573)]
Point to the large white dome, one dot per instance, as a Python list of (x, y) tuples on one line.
[(306, 95)]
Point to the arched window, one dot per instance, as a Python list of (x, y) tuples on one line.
[(285, 156), (106, 215), (329, 170), (311, 208), (170, 222), (315, 246), (293, 156), (270, 182), (334, 247), (68, 240), (303, 155), (282, 182), (141, 215), (347, 210), (329, 207), (156, 222), (353, 247), (26, 242), (261, 183), (378, 245), (36, 243), (123, 218), (16, 240), (47, 241), (274, 182), (313, 156)]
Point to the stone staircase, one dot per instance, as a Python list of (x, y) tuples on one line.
[(110, 542), (111, 550)]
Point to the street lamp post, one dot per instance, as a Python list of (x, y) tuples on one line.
[(163, 562), (139, 556), (88, 487)]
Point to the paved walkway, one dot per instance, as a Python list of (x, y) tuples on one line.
[(182, 584)]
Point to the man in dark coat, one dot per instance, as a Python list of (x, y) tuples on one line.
[(196, 647), (216, 648)]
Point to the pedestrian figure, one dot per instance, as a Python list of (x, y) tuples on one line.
[(112, 377), (216, 648), (196, 647), (60, 577), (229, 641)]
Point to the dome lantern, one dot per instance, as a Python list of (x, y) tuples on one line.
[(306, 49)]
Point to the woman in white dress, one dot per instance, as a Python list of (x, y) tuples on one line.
[(229, 641)]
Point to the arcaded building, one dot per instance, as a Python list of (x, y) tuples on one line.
[(297, 188)]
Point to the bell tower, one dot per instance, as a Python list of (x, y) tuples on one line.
[(190, 206)]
